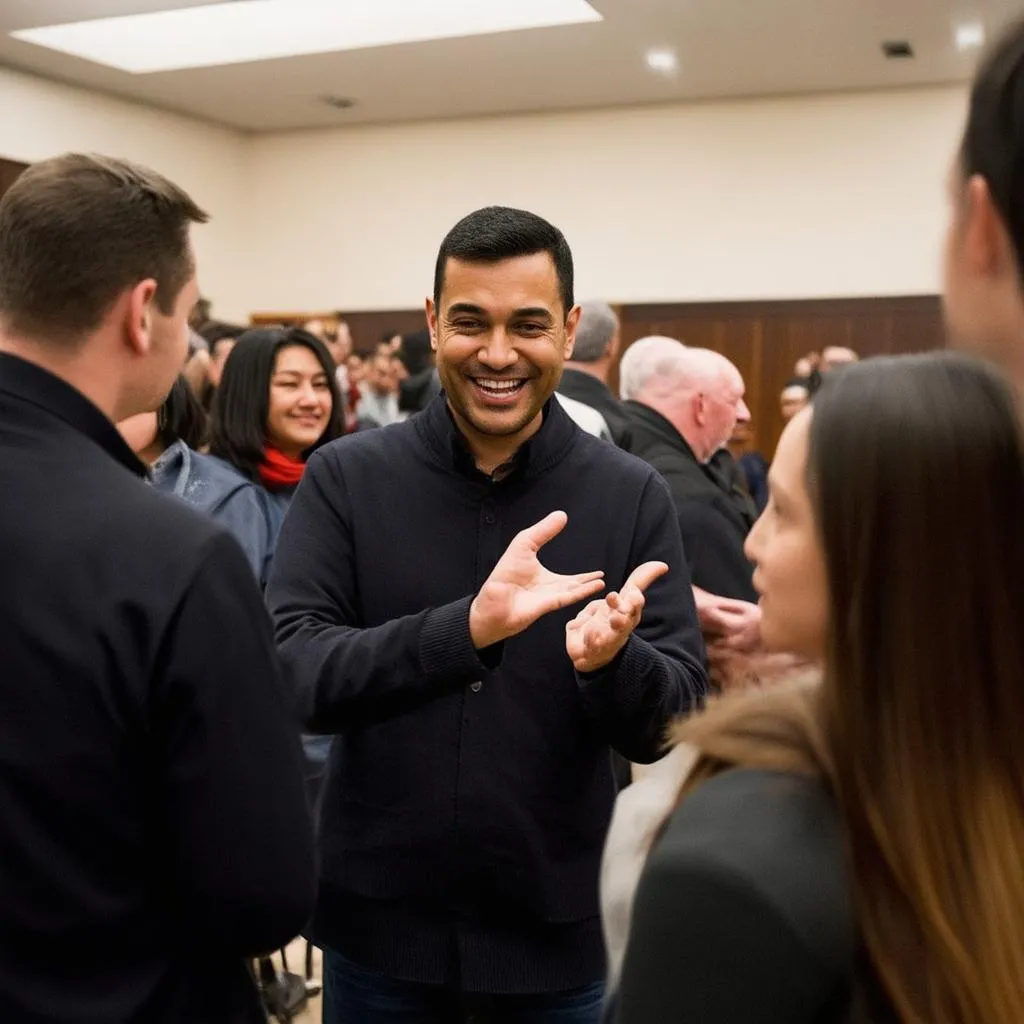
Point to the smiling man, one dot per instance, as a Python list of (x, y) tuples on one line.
[(429, 595)]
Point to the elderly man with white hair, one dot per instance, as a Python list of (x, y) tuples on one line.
[(683, 405)]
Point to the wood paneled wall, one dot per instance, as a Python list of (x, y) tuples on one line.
[(9, 172), (765, 339)]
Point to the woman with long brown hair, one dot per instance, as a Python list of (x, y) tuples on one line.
[(852, 848)]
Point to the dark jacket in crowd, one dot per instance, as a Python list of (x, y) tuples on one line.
[(153, 829), (468, 793), (587, 389), (714, 524), (743, 913)]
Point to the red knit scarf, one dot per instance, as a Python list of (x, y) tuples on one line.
[(279, 471)]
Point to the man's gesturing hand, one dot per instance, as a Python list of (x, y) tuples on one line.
[(520, 590), (601, 630)]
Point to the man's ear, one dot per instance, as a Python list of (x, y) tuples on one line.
[(432, 323), (572, 321), (986, 241), (140, 311), (699, 409)]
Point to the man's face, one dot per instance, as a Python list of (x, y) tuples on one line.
[(724, 407), (502, 337)]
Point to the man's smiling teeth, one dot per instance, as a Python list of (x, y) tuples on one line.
[(499, 387)]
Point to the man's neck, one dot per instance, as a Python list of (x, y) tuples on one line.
[(74, 367), (597, 370), (491, 451)]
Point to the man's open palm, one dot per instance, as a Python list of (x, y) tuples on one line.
[(520, 590), (600, 631)]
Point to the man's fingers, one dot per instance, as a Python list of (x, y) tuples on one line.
[(644, 575), (547, 529)]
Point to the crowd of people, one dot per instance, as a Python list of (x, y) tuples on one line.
[(525, 701)]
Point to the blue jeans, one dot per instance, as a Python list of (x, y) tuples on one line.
[(355, 995)]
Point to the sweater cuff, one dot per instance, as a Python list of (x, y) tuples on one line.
[(447, 654), (626, 679)]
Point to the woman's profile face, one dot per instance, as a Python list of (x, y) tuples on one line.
[(300, 401), (786, 549)]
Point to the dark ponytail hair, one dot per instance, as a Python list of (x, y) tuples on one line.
[(181, 417)]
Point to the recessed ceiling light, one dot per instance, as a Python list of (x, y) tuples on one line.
[(970, 36), (251, 30), (662, 60)]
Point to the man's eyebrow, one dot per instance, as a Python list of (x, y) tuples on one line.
[(537, 312), (465, 307)]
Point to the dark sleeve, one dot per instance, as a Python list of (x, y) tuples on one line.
[(238, 834), (347, 675), (659, 674), (715, 557), (705, 946)]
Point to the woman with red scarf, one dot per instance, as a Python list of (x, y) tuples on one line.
[(277, 403)]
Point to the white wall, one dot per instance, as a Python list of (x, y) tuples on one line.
[(39, 119), (786, 198)]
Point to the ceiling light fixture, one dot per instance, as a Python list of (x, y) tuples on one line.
[(663, 61), (970, 36), (243, 31)]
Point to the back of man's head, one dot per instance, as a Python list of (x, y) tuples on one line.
[(648, 361), (595, 333), (76, 232)]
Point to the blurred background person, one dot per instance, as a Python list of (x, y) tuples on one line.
[(278, 402), (378, 401), (585, 377), (796, 395), (850, 849), (422, 383), (751, 464), (836, 356), (168, 441)]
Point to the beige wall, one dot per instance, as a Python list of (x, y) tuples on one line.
[(39, 119), (788, 198)]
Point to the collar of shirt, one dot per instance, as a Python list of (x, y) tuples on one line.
[(551, 442), (30, 383)]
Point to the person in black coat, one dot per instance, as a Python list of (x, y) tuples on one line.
[(846, 846), (153, 827), (683, 406), (430, 592), (585, 376)]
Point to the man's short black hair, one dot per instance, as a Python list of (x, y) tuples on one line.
[(993, 144), (498, 233)]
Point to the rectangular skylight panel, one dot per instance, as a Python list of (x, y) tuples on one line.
[(255, 30)]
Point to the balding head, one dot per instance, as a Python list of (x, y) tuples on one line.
[(698, 391)]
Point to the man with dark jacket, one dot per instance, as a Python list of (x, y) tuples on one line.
[(469, 787), (153, 830), (683, 405), (585, 377)]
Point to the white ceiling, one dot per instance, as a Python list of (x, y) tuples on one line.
[(725, 47)]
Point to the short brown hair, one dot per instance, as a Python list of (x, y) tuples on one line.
[(78, 230)]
